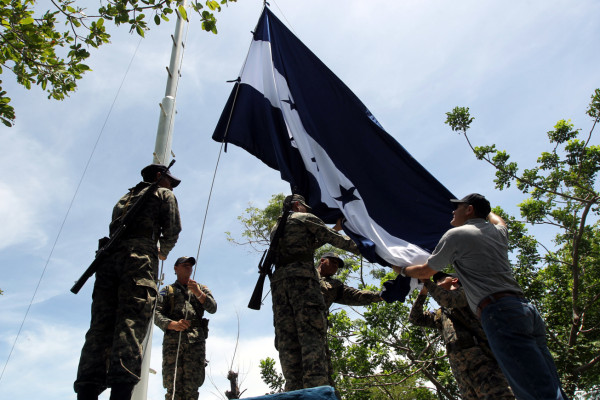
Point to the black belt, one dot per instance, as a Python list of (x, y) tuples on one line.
[(492, 298)]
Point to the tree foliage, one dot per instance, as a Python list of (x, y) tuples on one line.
[(562, 278), (375, 352), (35, 48)]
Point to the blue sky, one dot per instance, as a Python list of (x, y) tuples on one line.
[(519, 66)]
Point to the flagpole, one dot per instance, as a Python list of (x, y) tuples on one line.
[(164, 134), (162, 155)]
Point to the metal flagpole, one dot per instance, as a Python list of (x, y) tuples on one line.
[(162, 155)]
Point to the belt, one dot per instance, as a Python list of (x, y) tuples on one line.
[(492, 298)]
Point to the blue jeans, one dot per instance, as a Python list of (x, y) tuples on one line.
[(517, 337)]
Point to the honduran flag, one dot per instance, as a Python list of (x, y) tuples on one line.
[(289, 110)]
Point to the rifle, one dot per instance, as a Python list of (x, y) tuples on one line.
[(106, 244), (265, 265)]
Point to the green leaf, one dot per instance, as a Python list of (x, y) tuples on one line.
[(139, 30), (26, 21), (213, 5), (182, 12)]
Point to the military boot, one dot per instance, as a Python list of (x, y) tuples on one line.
[(121, 391), (87, 393)]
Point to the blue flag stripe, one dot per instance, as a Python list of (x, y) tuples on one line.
[(295, 115)]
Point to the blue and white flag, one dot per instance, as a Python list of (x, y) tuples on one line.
[(289, 110)]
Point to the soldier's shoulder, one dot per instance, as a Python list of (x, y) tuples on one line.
[(305, 217)]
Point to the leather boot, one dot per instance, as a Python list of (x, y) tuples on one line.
[(121, 391), (87, 393)]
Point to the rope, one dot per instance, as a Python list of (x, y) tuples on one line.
[(164, 158), (223, 145), (69, 208)]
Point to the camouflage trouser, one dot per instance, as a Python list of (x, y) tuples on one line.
[(122, 305), (300, 329), (478, 375), (190, 368)]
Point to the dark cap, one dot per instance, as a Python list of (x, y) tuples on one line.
[(181, 260), (331, 254), (479, 203), (149, 174), (296, 197), (438, 276)]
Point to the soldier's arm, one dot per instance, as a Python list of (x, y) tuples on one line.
[(355, 297), (170, 221), (210, 304), (447, 298), (418, 316), (325, 234), (160, 319)]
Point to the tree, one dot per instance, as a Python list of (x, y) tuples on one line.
[(562, 279), (375, 355), (35, 49)]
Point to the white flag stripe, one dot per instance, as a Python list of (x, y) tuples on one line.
[(260, 73)]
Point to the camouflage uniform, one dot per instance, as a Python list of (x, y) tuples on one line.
[(334, 291), (298, 306), (125, 291), (176, 303), (473, 364)]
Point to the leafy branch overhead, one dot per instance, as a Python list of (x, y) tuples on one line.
[(38, 50)]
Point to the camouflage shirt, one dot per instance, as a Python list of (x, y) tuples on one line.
[(303, 234), (334, 291), (158, 220), (175, 303), (454, 319)]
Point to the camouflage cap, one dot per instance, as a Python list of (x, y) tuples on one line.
[(335, 256), (189, 260), (296, 197), (149, 174)]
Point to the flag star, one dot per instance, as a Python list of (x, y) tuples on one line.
[(290, 102), (347, 195)]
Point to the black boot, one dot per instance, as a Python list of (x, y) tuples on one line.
[(121, 391), (87, 393)]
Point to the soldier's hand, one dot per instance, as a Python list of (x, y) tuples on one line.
[(180, 325), (161, 256), (195, 289)]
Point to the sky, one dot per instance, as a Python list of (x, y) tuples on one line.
[(519, 66)]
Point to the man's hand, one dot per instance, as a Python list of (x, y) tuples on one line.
[(195, 289), (161, 256), (180, 325), (338, 224)]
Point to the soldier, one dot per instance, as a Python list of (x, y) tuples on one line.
[(473, 364), (179, 315), (334, 291), (298, 306), (125, 289)]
